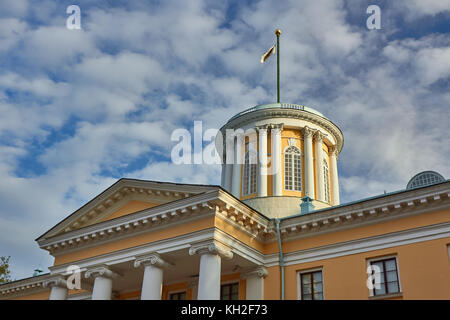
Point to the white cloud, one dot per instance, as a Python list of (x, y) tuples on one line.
[(428, 7)]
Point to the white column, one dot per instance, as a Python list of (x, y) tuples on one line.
[(103, 282), (318, 136), (276, 159), (309, 162), (334, 175), (58, 287), (228, 177), (237, 164), (262, 191), (229, 160), (210, 266), (255, 283), (153, 275), (222, 176)]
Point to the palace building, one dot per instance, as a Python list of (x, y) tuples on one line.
[(274, 229)]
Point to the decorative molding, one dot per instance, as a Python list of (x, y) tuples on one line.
[(362, 213), (307, 132), (319, 136), (153, 259), (57, 281), (31, 285), (266, 114), (131, 224), (369, 244), (101, 271), (93, 210), (211, 247), (262, 130), (259, 272), (276, 128), (292, 142)]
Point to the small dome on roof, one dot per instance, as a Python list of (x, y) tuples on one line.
[(424, 178)]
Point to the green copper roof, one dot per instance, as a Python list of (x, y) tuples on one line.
[(278, 106)]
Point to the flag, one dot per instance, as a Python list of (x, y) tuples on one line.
[(269, 52)]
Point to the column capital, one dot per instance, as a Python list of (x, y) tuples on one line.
[(262, 130), (277, 126), (307, 132), (152, 259), (318, 136), (101, 271), (211, 247), (333, 151), (259, 272), (57, 281)]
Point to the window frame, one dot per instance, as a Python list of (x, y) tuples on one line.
[(230, 283), (250, 176), (292, 172), (176, 292), (299, 282), (383, 258)]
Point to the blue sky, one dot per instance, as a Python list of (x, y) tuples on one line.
[(83, 108)]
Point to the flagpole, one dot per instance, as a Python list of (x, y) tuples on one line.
[(278, 33)]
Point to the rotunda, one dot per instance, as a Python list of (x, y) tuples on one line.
[(277, 155)]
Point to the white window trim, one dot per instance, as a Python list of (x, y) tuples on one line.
[(368, 261), (301, 169), (299, 281)]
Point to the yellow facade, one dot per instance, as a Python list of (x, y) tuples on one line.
[(137, 227), (423, 266)]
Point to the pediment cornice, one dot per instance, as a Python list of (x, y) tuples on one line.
[(93, 211)]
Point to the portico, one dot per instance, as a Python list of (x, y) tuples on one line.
[(152, 253), (152, 276)]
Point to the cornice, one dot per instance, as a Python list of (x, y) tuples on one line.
[(56, 281), (378, 242), (364, 213), (94, 208), (263, 114), (217, 202), (33, 284), (133, 223)]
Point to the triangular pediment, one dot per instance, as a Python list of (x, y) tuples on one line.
[(124, 197)]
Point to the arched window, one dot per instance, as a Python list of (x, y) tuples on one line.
[(292, 169), (249, 174), (326, 182)]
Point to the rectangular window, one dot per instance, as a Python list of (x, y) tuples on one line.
[(388, 277), (311, 285), (178, 296), (229, 291)]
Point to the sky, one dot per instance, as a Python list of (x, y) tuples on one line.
[(80, 109)]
